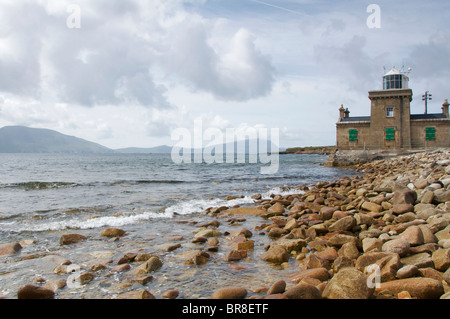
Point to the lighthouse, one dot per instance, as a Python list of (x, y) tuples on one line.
[(391, 126)]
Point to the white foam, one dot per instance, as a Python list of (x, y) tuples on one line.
[(197, 206), (109, 221), (281, 191), (181, 208)]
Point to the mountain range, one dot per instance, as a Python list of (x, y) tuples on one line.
[(21, 139)]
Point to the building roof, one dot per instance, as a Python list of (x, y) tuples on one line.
[(355, 119), (432, 116), (393, 71), (428, 116)]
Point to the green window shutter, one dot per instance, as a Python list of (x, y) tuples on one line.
[(390, 134), (352, 135), (430, 133)]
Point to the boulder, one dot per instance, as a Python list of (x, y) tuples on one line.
[(139, 294), (348, 283), (291, 244), (421, 288), (9, 249), (229, 293), (443, 197), (398, 246), (404, 196), (321, 274), (152, 264), (112, 232), (441, 259), (413, 234), (420, 260), (343, 224), (208, 232), (372, 207), (303, 291), (71, 239), (277, 288), (35, 292), (276, 254)]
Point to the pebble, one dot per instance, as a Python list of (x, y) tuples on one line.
[(229, 293)]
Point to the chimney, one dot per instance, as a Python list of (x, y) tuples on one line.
[(445, 108), (341, 111), (346, 113)]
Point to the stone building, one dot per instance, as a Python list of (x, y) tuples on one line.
[(391, 126)]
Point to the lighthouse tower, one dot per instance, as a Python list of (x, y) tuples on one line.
[(390, 112)]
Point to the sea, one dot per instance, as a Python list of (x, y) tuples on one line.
[(152, 198)]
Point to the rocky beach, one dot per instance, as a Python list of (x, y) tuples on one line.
[(382, 234)]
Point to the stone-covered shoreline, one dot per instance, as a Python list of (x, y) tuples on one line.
[(384, 234)]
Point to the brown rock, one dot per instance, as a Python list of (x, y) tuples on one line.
[(171, 294), (230, 293), (303, 291), (71, 239), (404, 196), (277, 288), (413, 234), (112, 232), (349, 250), (398, 246), (443, 197), (427, 197), (389, 263), (9, 249), (235, 255), (275, 210), (402, 208), (327, 212), (348, 283), (276, 254), (55, 284), (343, 224), (431, 273), (422, 288), (407, 272), (140, 294), (314, 261), (120, 268), (245, 211), (421, 260), (441, 259), (371, 207), (152, 264), (446, 276), (337, 240), (321, 274), (35, 292), (143, 280), (291, 244), (85, 278)]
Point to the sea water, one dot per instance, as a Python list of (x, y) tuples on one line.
[(43, 196)]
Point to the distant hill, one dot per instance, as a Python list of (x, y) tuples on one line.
[(21, 139), (163, 149)]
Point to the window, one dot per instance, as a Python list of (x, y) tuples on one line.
[(430, 133), (389, 112), (393, 81), (390, 134), (352, 135)]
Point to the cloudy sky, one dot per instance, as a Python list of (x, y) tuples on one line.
[(129, 72)]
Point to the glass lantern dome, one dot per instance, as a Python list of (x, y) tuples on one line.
[(395, 79)]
